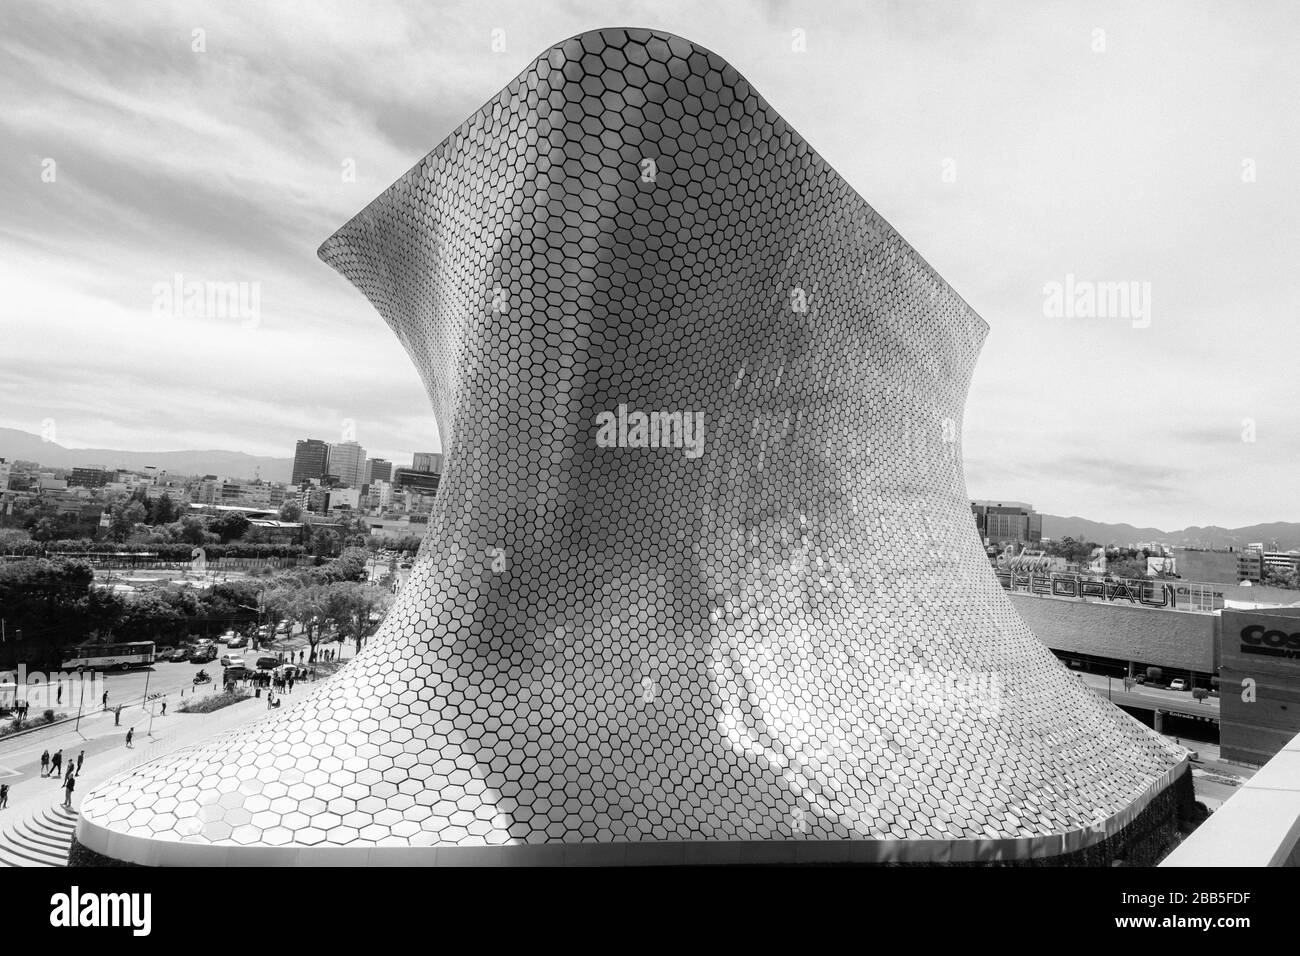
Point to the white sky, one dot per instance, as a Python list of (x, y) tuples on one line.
[(1122, 165)]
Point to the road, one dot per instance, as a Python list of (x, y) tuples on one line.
[(1139, 695), (173, 681)]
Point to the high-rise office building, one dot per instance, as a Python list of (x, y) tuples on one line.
[(347, 460), (427, 461), (310, 460), (378, 469), (1002, 522)]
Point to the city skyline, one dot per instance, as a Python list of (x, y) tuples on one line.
[(151, 164)]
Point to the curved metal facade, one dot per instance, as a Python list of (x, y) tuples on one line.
[(781, 641)]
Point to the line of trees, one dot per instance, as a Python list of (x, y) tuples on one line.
[(174, 551), (49, 605)]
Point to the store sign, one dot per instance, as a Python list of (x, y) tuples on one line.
[(1162, 594), (1257, 639)]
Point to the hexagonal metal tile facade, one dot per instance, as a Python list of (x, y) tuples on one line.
[(786, 635)]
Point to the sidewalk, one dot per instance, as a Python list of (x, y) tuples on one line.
[(107, 755)]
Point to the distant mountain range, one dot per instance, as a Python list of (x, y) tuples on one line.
[(1285, 533), (15, 444)]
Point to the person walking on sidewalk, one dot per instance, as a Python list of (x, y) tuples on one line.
[(68, 786), (164, 709), (117, 716), (56, 764), (105, 700), (45, 764), (129, 734), (4, 795), (80, 757)]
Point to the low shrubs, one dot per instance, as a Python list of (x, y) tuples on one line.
[(206, 705)]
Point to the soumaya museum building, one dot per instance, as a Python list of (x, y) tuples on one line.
[(701, 583)]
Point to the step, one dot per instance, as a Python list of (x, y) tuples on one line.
[(41, 839), (20, 854), (34, 833), (36, 852), (60, 818)]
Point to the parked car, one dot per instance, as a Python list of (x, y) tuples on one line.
[(203, 654), (267, 663), (1178, 684), (231, 660), (238, 641), (226, 638), (179, 654)]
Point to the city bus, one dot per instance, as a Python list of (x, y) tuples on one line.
[(110, 656)]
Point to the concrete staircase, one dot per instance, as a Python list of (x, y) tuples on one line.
[(41, 839)]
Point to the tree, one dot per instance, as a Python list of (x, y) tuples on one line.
[(324, 542), (52, 605), (45, 529), (350, 565), (124, 516), (291, 511), (229, 526), (366, 606), (1276, 577), (1073, 551), (163, 510), (190, 530), (1127, 568)]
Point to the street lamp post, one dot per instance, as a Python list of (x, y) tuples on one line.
[(81, 702), (147, 674)]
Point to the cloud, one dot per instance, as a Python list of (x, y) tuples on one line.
[(226, 165)]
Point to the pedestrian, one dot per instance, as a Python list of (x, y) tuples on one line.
[(56, 764), (71, 769), (45, 764), (105, 700), (291, 683), (68, 786), (164, 708), (129, 734), (117, 716), (4, 795), (80, 757), (58, 695)]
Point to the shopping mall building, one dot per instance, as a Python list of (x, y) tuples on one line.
[(1192, 631)]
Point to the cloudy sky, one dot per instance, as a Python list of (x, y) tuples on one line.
[(1013, 144)]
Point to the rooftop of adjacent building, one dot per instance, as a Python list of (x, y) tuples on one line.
[(1259, 825)]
